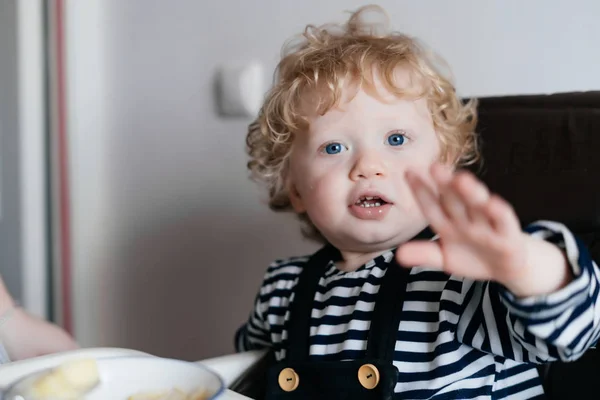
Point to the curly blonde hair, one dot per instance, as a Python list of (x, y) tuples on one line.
[(325, 61)]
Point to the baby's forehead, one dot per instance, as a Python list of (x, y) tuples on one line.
[(400, 84), (367, 105)]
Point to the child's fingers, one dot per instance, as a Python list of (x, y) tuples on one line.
[(420, 252), (454, 207), (475, 195), (428, 202), (452, 203), (502, 216), (441, 174), (472, 190)]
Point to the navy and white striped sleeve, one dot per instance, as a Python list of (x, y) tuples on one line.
[(558, 326), (254, 334)]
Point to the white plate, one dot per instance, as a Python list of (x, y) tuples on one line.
[(121, 377)]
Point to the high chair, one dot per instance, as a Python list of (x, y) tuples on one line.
[(542, 154)]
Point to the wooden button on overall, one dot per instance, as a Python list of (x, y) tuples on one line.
[(288, 379), (368, 376)]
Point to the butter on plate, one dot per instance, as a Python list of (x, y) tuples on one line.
[(80, 379), (69, 381)]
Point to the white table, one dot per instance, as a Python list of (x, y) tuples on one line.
[(228, 367)]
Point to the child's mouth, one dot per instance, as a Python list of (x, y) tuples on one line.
[(370, 207), (368, 201)]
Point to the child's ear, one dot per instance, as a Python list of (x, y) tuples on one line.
[(295, 198)]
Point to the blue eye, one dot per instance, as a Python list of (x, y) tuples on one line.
[(334, 148), (397, 139)]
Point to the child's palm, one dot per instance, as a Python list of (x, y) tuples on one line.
[(479, 234)]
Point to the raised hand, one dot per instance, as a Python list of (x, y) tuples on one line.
[(480, 237)]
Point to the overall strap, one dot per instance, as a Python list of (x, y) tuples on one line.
[(302, 304), (387, 314)]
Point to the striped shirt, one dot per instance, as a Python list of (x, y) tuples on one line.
[(458, 338)]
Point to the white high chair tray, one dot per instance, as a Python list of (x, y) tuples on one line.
[(226, 366)]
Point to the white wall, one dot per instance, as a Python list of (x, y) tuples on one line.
[(170, 238)]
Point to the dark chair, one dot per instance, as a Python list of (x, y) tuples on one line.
[(542, 153)]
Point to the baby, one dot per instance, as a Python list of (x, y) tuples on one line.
[(426, 287)]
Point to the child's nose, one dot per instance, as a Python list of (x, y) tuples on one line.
[(368, 165)]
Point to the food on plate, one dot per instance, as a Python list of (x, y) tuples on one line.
[(173, 394), (69, 381), (73, 380)]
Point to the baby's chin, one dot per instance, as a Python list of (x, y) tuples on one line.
[(368, 242), (378, 238)]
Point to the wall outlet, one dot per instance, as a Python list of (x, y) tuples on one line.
[(240, 89)]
